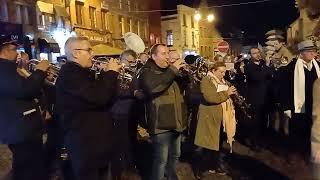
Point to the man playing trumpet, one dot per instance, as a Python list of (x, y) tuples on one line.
[(20, 119), (83, 103)]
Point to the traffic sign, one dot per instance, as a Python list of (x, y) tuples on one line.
[(223, 46)]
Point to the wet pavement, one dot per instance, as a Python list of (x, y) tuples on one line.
[(269, 164)]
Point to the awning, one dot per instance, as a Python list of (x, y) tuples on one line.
[(61, 11), (45, 7), (103, 49), (48, 46)]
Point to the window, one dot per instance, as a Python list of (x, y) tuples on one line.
[(121, 25), (192, 22), (129, 5), (184, 20), (201, 33), (25, 15), (46, 19), (79, 13), (120, 4), (18, 14), (3, 10), (145, 30), (92, 16), (185, 38), (193, 39), (169, 38), (152, 39), (129, 24), (104, 20), (136, 6), (139, 29)]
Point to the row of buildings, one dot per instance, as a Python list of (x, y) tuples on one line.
[(45, 25)]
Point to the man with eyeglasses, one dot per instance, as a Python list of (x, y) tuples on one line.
[(20, 118), (297, 81), (83, 103)]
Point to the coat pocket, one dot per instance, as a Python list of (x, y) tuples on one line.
[(166, 117)]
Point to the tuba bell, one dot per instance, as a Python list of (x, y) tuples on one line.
[(134, 42)]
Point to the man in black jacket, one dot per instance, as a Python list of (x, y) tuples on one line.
[(20, 119), (259, 76), (165, 111), (83, 103), (296, 84)]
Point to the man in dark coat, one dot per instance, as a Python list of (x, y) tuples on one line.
[(297, 80), (83, 102), (259, 76), (165, 111), (20, 119)]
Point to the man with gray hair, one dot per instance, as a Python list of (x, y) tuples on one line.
[(297, 84), (83, 103)]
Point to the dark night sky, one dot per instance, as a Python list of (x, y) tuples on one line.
[(254, 19)]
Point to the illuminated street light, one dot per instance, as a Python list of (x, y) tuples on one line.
[(197, 16), (210, 17)]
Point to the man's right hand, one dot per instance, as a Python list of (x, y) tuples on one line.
[(112, 65), (231, 90), (43, 65), (179, 64)]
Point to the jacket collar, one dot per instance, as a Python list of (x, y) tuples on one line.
[(8, 62), (152, 65)]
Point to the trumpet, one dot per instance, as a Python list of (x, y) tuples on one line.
[(125, 71), (53, 71)]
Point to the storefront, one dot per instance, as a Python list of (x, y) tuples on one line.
[(101, 42), (53, 30)]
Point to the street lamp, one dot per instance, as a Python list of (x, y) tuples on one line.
[(210, 17), (197, 17)]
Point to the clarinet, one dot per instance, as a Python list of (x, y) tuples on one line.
[(240, 102)]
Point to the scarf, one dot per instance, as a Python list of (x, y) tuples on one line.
[(228, 113), (299, 83)]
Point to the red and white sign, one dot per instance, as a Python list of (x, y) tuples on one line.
[(223, 46)]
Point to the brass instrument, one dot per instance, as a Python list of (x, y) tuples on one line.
[(125, 71), (53, 71), (196, 66)]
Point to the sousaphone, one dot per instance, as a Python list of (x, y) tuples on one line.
[(134, 42)]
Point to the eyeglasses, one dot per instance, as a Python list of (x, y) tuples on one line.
[(89, 50)]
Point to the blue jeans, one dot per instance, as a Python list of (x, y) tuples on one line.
[(165, 155)]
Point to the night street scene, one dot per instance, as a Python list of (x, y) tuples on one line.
[(159, 90)]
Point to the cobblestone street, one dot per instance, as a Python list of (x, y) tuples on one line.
[(244, 164)]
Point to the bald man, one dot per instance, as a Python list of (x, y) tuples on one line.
[(83, 103)]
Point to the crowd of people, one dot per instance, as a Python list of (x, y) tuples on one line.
[(94, 120)]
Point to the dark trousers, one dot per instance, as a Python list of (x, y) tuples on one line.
[(94, 152), (299, 133), (258, 125), (28, 159)]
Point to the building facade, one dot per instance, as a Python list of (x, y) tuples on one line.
[(209, 35), (180, 31), (155, 22), (49, 23), (105, 22)]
